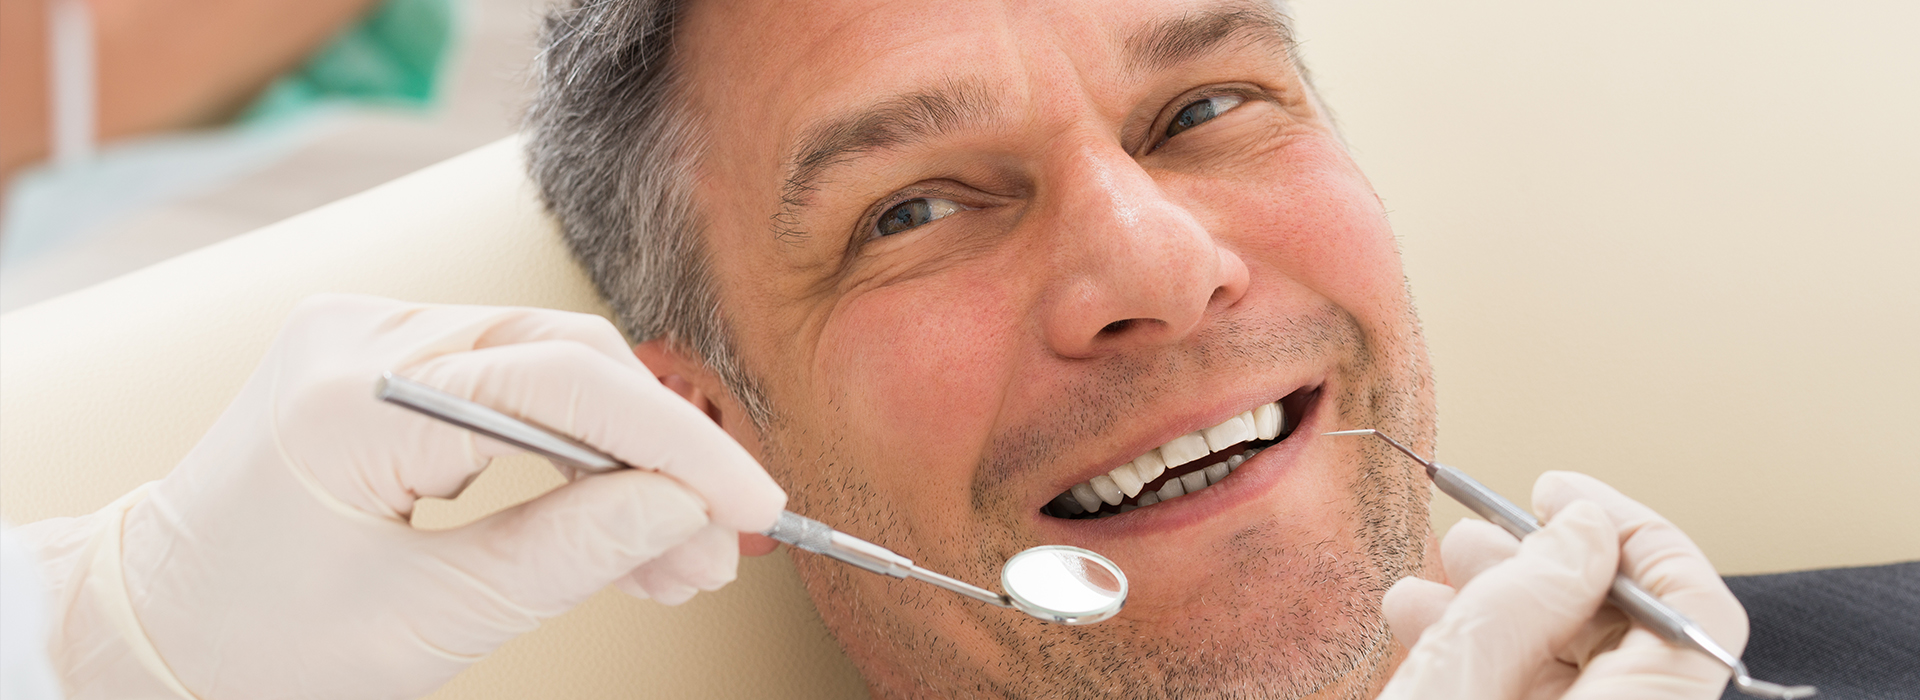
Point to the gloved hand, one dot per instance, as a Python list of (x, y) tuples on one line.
[(1528, 620), (276, 560)]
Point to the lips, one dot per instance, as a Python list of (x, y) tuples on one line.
[(1183, 465)]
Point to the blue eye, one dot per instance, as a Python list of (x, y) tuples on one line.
[(912, 213), (1202, 111)]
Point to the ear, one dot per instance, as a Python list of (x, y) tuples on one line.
[(692, 380), (673, 369), (701, 386)]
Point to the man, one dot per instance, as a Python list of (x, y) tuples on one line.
[(960, 273), (968, 280)]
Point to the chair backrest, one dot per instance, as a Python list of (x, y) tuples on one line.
[(107, 388)]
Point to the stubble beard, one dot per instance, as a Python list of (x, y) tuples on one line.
[(1303, 617)]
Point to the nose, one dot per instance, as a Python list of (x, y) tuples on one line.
[(1130, 268)]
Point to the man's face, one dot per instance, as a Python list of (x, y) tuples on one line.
[(978, 253)]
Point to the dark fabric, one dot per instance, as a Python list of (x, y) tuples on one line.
[(1855, 632)]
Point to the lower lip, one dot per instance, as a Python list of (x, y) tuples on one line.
[(1251, 481)]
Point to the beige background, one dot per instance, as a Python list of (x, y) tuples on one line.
[(1672, 244)]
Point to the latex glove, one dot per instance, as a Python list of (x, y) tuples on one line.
[(276, 560), (1528, 622)]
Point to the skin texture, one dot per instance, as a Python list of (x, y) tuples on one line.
[(1103, 288)]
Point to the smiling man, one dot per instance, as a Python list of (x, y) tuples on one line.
[(973, 277)]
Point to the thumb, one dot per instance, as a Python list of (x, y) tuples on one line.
[(1413, 605), (550, 554), (1504, 625)]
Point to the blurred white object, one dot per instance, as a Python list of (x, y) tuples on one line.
[(24, 671)]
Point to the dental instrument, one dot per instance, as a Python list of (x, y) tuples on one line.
[(1056, 583), (1626, 595)]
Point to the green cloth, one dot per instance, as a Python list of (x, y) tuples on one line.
[(393, 58)]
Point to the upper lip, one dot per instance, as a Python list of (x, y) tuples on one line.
[(1173, 429)]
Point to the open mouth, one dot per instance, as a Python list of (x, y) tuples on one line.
[(1185, 464)]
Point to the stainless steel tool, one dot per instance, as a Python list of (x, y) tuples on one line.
[(1057, 583), (1626, 595)]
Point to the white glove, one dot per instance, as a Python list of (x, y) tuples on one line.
[(276, 560), (1528, 622)]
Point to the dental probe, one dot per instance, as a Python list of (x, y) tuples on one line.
[(1625, 594), (794, 529)]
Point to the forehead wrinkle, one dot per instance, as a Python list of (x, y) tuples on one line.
[(1172, 42), (895, 123)]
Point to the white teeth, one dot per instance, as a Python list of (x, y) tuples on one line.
[(1268, 419), (1216, 472), (1128, 508), (1184, 449), (1127, 479), (1083, 493), (1108, 491), (1149, 466), (1235, 430)]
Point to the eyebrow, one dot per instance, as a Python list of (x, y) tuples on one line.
[(917, 117), (895, 123), (1190, 36)]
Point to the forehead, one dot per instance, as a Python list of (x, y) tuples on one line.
[(768, 77)]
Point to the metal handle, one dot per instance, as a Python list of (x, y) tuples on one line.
[(794, 529), (1635, 601), (1638, 603), (434, 403)]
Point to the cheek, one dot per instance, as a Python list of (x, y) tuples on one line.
[(917, 370), (1306, 212)]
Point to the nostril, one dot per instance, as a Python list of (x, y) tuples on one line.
[(1116, 327)]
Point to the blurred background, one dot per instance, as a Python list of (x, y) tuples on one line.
[(481, 89), (1669, 244)]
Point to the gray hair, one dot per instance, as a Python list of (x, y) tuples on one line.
[(613, 147)]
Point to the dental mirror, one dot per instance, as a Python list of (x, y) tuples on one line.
[(1064, 584), (1056, 582)]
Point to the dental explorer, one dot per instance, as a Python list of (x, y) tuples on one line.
[(1626, 595), (1057, 583)]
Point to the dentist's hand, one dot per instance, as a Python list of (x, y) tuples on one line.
[(277, 561), (1528, 619)]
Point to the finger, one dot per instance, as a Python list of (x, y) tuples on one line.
[(1414, 604), (706, 562), (1656, 554), (323, 367), (549, 554), (1501, 628), (523, 325), (753, 544), (391, 333), (1601, 633), (627, 414), (1472, 546), (1667, 563)]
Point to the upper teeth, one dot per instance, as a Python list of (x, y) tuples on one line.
[(1127, 480)]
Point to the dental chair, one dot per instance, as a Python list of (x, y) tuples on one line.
[(107, 388)]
